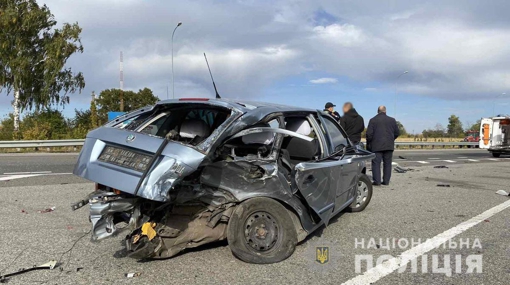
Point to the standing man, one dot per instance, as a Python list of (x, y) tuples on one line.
[(381, 134), (352, 123), (330, 108)]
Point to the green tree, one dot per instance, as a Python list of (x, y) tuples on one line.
[(93, 112), (108, 101), (437, 132), (81, 124), (33, 54), (7, 128), (455, 129), (401, 129), (475, 126), (47, 124)]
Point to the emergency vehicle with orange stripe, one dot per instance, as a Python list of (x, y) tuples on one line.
[(495, 135)]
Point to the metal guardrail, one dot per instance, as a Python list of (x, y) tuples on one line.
[(67, 143), (436, 143), (41, 143)]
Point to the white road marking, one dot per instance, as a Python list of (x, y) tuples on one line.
[(18, 173), (423, 162), (434, 158), (12, 177), (493, 159), (19, 176), (391, 265), (462, 157), (450, 161), (473, 160)]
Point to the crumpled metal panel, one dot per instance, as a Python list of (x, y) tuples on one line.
[(103, 207), (249, 179), (160, 180)]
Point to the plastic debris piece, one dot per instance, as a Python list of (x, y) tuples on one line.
[(148, 230), (401, 157), (440, 166), (443, 185), (502, 192), (47, 210), (134, 274), (400, 169)]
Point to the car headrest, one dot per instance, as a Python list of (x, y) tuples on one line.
[(300, 126), (259, 138), (194, 127)]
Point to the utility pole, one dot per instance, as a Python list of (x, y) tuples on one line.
[(173, 85), (121, 83)]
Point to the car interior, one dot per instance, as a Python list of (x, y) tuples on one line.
[(190, 124), (298, 149)]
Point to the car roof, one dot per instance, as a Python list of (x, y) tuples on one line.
[(243, 105)]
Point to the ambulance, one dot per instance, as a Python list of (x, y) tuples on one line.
[(495, 135)]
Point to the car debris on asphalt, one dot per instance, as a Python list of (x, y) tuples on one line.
[(440, 166), (502, 192), (47, 210), (48, 265), (131, 275), (443, 185)]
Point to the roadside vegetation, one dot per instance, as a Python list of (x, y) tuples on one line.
[(51, 124)]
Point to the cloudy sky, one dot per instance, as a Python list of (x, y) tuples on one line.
[(303, 53)]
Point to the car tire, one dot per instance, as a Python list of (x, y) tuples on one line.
[(261, 231), (363, 194), (495, 154)]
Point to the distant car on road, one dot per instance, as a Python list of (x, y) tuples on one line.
[(187, 172), (472, 136)]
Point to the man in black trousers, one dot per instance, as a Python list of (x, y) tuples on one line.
[(381, 134)]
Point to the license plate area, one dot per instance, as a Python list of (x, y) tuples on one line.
[(125, 158)]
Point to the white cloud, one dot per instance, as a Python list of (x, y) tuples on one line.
[(324, 80), (344, 35), (459, 51)]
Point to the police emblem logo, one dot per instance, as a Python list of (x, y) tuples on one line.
[(322, 254)]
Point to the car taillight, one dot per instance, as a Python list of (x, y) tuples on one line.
[(96, 187)]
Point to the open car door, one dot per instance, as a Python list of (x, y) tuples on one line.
[(485, 133), (312, 179)]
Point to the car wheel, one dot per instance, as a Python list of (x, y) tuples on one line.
[(363, 194), (495, 154), (261, 231)]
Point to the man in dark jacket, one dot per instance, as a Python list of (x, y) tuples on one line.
[(330, 108), (381, 134), (352, 123)]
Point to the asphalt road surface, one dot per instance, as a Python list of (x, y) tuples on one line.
[(411, 217)]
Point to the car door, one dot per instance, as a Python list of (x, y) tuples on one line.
[(317, 180), (346, 168)]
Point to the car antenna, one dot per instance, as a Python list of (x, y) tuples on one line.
[(210, 73)]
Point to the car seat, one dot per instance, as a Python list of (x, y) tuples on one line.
[(300, 150), (194, 130)]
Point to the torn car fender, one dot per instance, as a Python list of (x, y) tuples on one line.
[(233, 177)]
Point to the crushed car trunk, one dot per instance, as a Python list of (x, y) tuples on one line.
[(148, 154)]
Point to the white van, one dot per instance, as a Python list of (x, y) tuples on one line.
[(495, 135)]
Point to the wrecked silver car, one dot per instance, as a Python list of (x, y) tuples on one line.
[(187, 172)]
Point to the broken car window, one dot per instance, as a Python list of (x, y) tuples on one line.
[(337, 138)]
